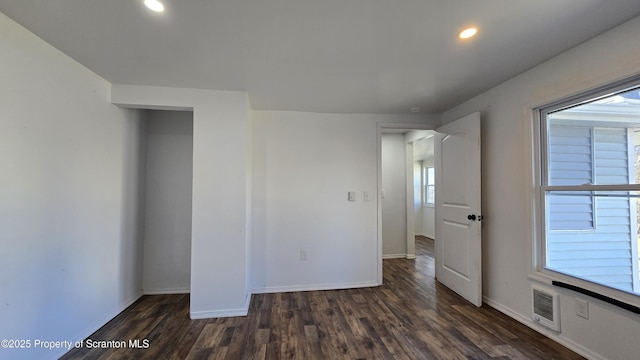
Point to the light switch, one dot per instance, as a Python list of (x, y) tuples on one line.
[(352, 196), (365, 196)]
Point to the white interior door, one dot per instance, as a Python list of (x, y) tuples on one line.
[(458, 219)]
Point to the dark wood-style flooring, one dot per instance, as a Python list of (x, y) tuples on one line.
[(410, 317)]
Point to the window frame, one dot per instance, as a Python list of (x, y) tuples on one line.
[(540, 184), (426, 185)]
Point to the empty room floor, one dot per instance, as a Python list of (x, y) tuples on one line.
[(411, 316)]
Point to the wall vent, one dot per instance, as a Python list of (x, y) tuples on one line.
[(546, 307)]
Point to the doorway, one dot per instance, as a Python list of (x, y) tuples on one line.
[(406, 135), (457, 155), (407, 161), (424, 186)]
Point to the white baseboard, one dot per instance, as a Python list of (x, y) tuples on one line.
[(195, 315), (399, 256), (557, 337), (316, 287), (247, 302), (97, 325), (394, 256), (168, 291)]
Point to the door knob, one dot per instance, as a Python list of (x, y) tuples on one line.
[(471, 217)]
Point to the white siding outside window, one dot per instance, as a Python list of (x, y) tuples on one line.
[(590, 236), (571, 163)]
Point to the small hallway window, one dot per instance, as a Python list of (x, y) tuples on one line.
[(429, 180)]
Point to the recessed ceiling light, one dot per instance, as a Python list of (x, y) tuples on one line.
[(468, 33), (154, 5)]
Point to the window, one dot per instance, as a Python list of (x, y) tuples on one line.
[(429, 193), (589, 188)]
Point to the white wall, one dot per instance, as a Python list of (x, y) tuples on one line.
[(304, 165), (70, 219), (221, 182), (167, 231), (507, 193), (429, 221), (394, 203)]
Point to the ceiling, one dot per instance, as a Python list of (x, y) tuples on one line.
[(336, 56)]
